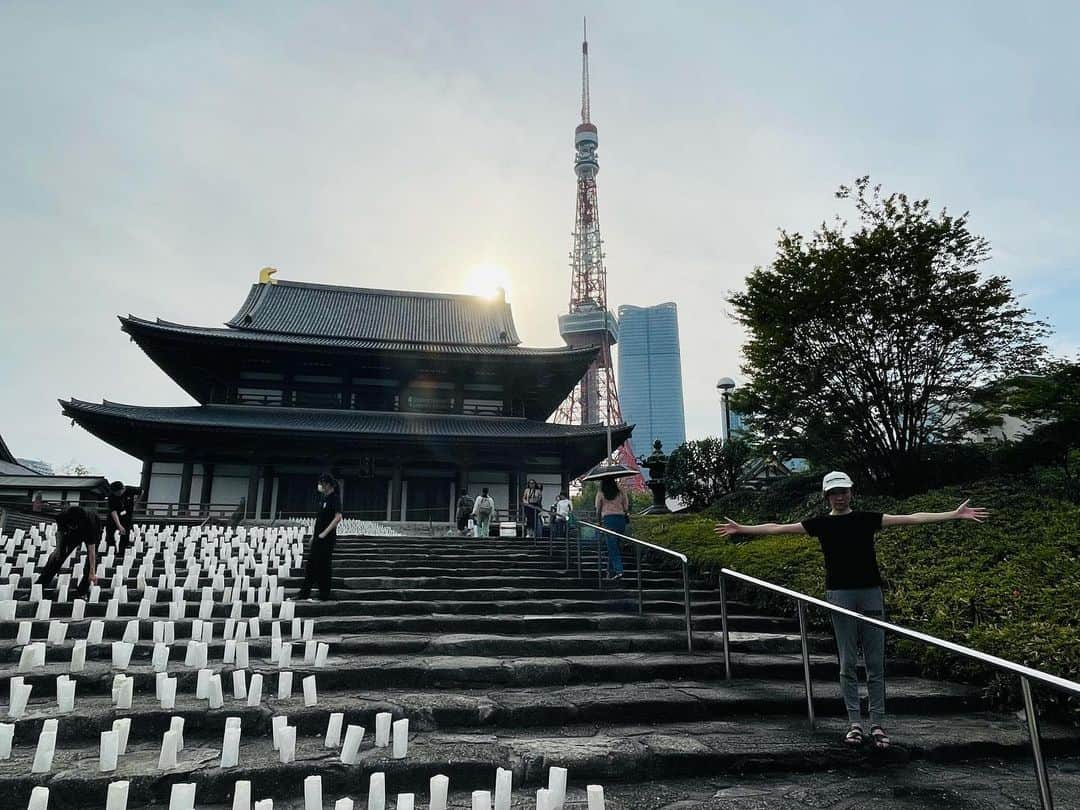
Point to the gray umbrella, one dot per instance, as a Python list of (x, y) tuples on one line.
[(602, 471)]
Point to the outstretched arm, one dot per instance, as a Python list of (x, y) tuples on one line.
[(962, 512), (732, 528)]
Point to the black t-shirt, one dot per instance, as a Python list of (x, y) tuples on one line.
[(847, 541), (331, 505), (116, 504), (77, 526), (129, 507)]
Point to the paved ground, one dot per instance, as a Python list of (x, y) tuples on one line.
[(501, 659), (920, 786), (978, 785)]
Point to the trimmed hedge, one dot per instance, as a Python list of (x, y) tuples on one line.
[(1009, 587)]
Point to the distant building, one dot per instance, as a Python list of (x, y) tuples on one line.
[(9, 465), (407, 398), (19, 482), (40, 467), (738, 426), (650, 375)]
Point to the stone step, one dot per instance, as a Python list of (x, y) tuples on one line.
[(593, 753), (508, 623), (404, 602), (361, 583), (362, 578), (647, 702), (545, 644), (417, 670)]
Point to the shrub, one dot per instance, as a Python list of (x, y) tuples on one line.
[(1009, 587)]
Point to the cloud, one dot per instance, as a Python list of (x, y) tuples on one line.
[(154, 160)]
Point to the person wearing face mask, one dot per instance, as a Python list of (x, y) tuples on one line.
[(852, 581), (320, 553)]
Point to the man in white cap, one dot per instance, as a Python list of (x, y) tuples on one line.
[(852, 581)]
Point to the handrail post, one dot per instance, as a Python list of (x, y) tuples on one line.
[(640, 588), (1046, 801), (578, 540), (806, 664), (566, 540), (686, 601), (599, 579), (724, 626)]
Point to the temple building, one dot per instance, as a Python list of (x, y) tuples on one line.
[(405, 397)]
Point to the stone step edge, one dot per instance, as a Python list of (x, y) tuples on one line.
[(613, 754), (485, 708)]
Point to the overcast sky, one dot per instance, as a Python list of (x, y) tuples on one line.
[(155, 157)]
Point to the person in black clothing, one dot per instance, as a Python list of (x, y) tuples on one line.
[(116, 532), (237, 516), (320, 553), (852, 581), (464, 510), (127, 517), (75, 527)]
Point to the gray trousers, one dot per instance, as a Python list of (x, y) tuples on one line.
[(851, 634)]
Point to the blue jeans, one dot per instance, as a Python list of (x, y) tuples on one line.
[(616, 523), (852, 634)]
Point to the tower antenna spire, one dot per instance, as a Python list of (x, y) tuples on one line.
[(584, 70), (594, 400)]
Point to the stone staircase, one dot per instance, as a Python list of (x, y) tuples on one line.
[(498, 658)]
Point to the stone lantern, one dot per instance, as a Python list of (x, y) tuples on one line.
[(656, 463)]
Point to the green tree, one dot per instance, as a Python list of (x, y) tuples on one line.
[(865, 347), (699, 472), (1050, 402), (75, 468)]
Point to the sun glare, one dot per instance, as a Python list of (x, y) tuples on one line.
[(486, 279)]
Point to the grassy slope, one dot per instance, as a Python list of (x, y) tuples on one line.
[(1010, 587)]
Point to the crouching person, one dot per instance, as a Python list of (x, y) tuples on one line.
[(75, 527)]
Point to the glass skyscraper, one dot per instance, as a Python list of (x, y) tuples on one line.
[(650, 375)]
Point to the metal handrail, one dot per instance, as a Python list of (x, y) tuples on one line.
[(684, 562), (1025, 673), (670, 552)]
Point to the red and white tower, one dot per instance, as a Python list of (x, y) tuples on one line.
[(594, 399)]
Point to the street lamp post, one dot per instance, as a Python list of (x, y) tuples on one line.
[(725, 385)]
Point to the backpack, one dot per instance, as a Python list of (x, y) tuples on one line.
[(484, 507)]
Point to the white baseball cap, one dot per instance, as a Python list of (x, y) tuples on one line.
[(834, 480)]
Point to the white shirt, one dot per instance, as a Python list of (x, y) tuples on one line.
[(563, 507)]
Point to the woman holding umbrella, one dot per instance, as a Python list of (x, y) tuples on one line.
[(613, 509)]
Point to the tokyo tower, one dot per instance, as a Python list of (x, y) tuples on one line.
[(594, 400)]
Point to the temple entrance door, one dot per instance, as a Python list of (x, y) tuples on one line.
[(429, 499), (297, 494), (365, 498)]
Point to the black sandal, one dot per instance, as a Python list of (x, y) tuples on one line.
[(879, 737), (855, 736)]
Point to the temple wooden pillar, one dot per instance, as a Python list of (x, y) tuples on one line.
[(395, 492), (251, 505), (185, 488), (144, 479), (207, 486), (268, 492)]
